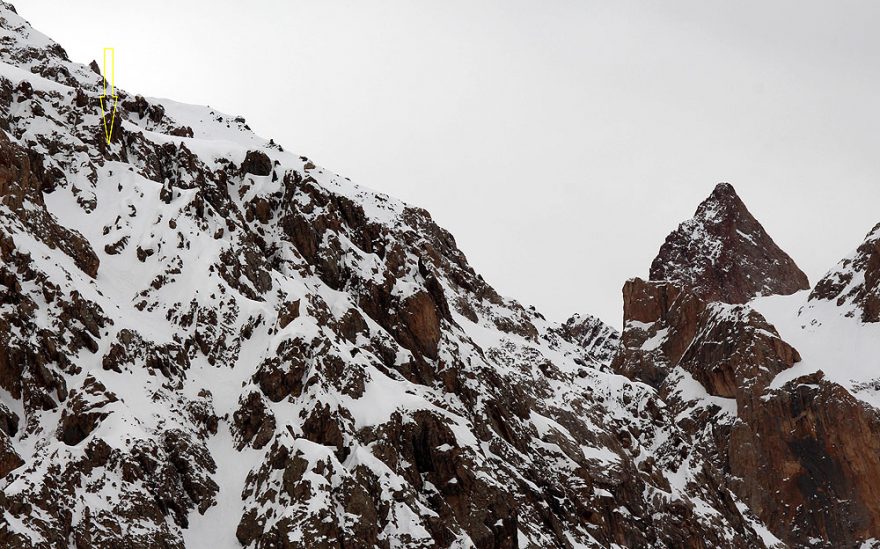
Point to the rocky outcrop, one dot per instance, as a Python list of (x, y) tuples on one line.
[(422, 324), (254, 423), (144, 109), (84, 412), (23, 179), (9, 458), (660, 322), (724, 254), (854, 284), (730, 349), (736, 353), (257, 163), (596, 339)]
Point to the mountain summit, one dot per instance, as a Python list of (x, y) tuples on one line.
[(723, 253)]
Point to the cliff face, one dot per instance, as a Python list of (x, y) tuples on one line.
[(206, 340)]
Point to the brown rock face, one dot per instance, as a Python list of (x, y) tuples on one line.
[(807, 457), (855, 282), (724, 254), (422, 323), (736, 352), (9, 458), (660, 321), (370, 387), (790, 454), (256, 163)]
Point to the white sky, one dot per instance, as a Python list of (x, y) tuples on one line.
[(559, 141)]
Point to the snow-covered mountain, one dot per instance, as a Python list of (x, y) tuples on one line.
[(209, 341)]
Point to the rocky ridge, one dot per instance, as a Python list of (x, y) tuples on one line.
[(855, 282), (208, 340)]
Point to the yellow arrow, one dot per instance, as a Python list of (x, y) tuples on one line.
[(108, 132)]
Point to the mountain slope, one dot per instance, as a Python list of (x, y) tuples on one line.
[(206, 340)]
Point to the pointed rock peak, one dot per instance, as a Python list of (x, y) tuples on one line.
[(724, 190), (724, 254), (721, 204)]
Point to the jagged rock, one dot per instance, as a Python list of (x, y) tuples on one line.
[(9, 458), (283, 375), (180, 131), (786, 450), (84, 412), (138, 105), (854, 283), (598, 340), (254, 422), (131, 350), (723, 253), (736, 352), (288, 313), (245, 270), (322, 427), (256, 163), (660, 322)]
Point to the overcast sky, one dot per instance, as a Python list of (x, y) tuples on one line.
[(560, 142)]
